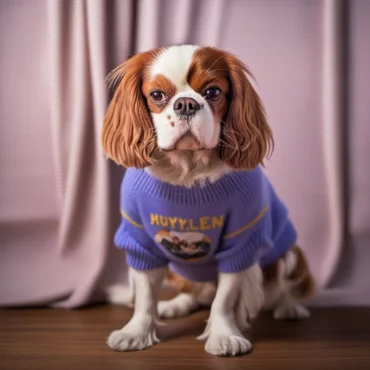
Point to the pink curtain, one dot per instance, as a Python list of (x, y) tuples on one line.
[(59, 196)]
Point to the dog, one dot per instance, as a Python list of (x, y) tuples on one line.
[(197, 208)]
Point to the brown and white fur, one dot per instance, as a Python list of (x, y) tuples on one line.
[(217, 126)]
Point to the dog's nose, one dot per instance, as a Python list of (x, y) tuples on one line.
[(186, 107)]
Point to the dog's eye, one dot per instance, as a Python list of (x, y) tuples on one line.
[(158, 97), (213, 93)]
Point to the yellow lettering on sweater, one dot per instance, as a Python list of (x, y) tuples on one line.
[(217, 222), (182, 223), (192, 224), (154, 219), (173, 221)]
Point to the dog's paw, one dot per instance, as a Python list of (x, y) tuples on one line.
[(224, 338), (291, 311), (171, 310), (127, 340), (227, 345), (181, 305)]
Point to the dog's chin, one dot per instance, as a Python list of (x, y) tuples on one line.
[(188, 163), (187, 143)]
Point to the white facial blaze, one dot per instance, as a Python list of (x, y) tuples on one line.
[(174, 63)]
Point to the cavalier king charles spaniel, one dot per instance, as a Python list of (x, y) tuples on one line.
[(187, 120)]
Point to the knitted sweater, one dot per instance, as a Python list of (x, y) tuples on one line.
[(225, 226)]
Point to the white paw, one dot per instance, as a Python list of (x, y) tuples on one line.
[(227, 345), (181, 305), (136, 335), (171, 310), (224, 338), (119, 340), (292, 311)]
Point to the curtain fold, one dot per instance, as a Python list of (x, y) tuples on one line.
[(78, 101), (333, 127)]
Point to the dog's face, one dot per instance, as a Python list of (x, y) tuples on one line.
[(186, 104), (185, 98)]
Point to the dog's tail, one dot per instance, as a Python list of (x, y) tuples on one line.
[(122, 294)]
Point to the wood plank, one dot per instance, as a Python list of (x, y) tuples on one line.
[(58, 339)]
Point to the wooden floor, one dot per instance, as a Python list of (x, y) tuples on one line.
[(35, 339)]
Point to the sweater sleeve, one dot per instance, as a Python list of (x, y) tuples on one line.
[(141, 253), (239, 252), (247, 235)]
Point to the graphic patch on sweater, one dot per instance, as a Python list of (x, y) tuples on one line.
[(185, 245), (186, 238)]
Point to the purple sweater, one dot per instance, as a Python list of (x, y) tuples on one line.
[(225, 226)]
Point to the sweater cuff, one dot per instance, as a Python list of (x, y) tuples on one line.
[(141, 261), (247, 255), (137, 256)]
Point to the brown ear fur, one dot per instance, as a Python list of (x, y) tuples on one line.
[(246, 138), (127, 134)]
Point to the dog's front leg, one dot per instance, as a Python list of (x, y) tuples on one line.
[(223, 330), (140, 331)]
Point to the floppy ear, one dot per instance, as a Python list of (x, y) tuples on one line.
[(246, 138), (127, 134)]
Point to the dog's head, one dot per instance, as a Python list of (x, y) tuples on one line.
[(185, 98)]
